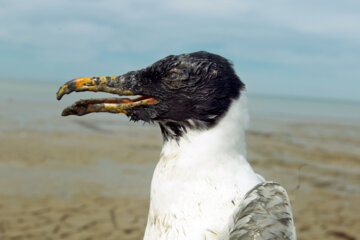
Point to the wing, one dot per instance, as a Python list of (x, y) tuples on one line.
[(264, 214)]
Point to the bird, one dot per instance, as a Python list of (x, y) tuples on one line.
[(202, 187)]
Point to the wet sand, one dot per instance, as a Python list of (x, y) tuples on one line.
[(89, 178)]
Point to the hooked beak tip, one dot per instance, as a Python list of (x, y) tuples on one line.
[(62, 91)]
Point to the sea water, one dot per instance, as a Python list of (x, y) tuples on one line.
[(27, 103)]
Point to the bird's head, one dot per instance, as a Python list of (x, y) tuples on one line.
[(179, 92)]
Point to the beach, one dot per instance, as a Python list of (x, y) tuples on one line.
[(89, 177)]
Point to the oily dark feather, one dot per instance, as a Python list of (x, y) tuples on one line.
[(202, 90), (264, 214)]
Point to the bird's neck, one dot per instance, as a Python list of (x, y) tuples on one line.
[(227, 137), (200, 179)]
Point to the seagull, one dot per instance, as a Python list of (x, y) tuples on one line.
[(203, 187)]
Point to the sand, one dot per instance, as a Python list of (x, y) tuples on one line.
[(89, 178)]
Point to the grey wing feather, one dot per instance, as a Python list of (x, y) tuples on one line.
[(265, 213)]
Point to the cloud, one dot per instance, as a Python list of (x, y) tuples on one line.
[(274, 39)]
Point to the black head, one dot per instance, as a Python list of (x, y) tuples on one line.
[(193, 91), (179, 92)]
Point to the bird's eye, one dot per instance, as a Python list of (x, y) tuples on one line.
[(173, 75)]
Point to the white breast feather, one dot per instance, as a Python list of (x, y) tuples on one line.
[(200, 180)]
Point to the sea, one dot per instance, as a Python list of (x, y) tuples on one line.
[(26, 103)]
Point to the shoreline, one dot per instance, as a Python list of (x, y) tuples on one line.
[(89, 178)]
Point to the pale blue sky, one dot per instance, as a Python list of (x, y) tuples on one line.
[(281, 47)]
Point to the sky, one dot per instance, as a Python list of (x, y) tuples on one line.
[(278, 47)]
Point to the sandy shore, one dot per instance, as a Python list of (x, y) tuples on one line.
[(89, 178)]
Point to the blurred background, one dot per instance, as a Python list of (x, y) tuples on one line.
[(89, 177)]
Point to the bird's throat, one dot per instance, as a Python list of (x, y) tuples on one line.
[(200, 177), (227, 137)]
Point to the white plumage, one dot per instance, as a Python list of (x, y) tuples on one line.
[(200, 181)]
